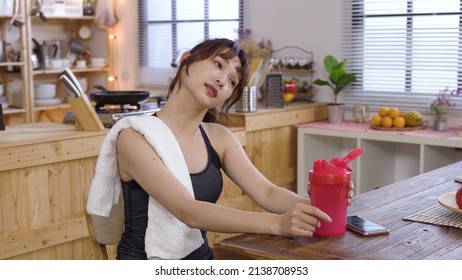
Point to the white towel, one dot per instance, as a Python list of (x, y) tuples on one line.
[(166, 236)]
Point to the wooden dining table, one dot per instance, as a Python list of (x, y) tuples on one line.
[(389, 206)]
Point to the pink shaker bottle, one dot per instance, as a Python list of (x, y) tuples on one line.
[(329, 185)]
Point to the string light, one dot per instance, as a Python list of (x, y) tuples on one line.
[(113, 78)]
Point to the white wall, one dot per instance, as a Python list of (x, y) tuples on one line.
[(314, 25)]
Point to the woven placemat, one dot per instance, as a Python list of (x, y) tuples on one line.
[(437, 215)]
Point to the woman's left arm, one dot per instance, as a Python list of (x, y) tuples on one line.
[(241, 171)]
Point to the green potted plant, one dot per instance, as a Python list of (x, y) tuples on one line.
[(338, 80)]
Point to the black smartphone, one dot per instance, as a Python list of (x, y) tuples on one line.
[(365, 227)]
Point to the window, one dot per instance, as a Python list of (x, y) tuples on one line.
[(169, 27), (404, 52)]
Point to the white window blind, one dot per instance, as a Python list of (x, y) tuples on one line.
[(170, 27), (404, 52)]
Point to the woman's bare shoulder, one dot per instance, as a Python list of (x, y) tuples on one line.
[(129, 136), (220, 136), (216, 130)]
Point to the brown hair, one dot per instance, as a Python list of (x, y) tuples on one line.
[(226, 49)]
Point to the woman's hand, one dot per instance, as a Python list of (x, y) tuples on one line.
[(351, 189), (301, 220), (350, 192)]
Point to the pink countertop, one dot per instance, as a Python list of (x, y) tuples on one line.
[(365, 127)]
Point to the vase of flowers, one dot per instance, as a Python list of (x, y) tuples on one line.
[(253, 49), (440, 105)]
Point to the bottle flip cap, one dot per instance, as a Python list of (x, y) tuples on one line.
[(336, 171), (343, 162)]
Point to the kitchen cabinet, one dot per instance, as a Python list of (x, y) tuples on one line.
[(14, 67), (388, 157), (45, 175), (51, 41)]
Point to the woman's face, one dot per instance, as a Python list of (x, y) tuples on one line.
[(213, 80)]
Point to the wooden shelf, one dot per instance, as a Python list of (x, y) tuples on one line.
[(57, 18), (12, 110), (19, 77), (74, 70), (295, 71), (6, 64), (63, 105)]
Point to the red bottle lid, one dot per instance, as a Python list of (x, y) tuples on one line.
[(335, 172)]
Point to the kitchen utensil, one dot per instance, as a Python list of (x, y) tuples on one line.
[(44, 91), (85, 115), (255, 64), (81, 64), (448, 201), (37, 9), (56, 64), (100, 87), (35, 62), (248, 101), (84, 32), (67, 72), (360, 113), (38, 51), (98, 62), (45, 52), (2, 51), (273, 91), (77, 47), (16, 20), (52, 49), (119, 97), (72, 88), (262, 78), (2, 119), (47, 102)]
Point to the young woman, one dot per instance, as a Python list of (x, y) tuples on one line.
[(210, 76)]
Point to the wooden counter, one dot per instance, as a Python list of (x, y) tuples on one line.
[(46, 170), (438, 237), (45, 174)]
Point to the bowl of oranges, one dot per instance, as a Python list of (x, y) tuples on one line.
[(390, 118)]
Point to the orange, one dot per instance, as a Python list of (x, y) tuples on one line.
[(399, 122), (386, 122), (393, 112), (375, 120), (383, 111)]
